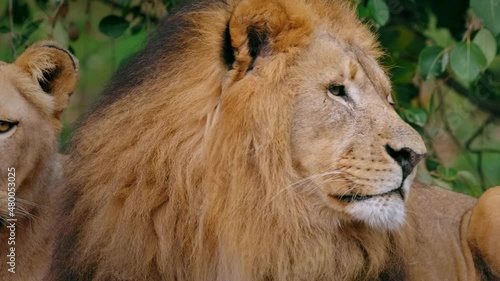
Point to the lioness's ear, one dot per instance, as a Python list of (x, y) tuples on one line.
[(262, 28), (54, 69)]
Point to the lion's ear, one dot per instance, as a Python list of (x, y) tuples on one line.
[(53, 68), (262, 28)]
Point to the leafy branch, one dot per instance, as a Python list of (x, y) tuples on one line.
[(485, 104)]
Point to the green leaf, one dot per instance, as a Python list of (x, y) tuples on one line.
[(4, 29), (136, 28), (379, 11), (442, 183), (469, 181), (60, 34), (28, 30), (397, 38), (445, 61), (467, 60), (124, 2), (488, 45), (403, 72), (416, 116), (448, 174), (113, 26), (42, 3), (362, 12), (432, 164), (21, 11), (431, 61), (489, 13), (441, 36), (405, 93)]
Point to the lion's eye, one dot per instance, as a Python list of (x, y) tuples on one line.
[(337, 90), (6, 126)]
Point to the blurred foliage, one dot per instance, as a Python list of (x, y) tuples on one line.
[(442, 57)]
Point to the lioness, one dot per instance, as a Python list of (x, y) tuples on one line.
[(34, 92), (255, 140)]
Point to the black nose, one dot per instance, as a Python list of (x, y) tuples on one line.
[(405, 157)]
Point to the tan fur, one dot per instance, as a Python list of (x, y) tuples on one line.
[(189, 169), (456, 236), (31, 148), (440, 250), (484, 230)]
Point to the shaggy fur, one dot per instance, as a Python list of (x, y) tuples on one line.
[(222, 151), (484, 230), (35, 91)]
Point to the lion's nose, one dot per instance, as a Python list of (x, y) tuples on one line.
[(405, 157)]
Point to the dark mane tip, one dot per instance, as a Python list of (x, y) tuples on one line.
[(227, 49)]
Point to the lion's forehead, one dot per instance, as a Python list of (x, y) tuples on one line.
[(21, 94), (12, 102), (345, 61)]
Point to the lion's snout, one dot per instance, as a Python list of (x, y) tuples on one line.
[(406, 158)]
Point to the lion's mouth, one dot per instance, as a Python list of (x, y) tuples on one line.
[(348, 198)]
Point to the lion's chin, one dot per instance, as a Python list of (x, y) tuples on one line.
[(383, 212)]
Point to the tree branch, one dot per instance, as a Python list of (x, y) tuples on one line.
[(485, 104), (121, 7), (479, 132)]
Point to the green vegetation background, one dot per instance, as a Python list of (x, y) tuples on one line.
[(442, 57)]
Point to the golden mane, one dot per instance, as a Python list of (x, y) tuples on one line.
[(162, 170)]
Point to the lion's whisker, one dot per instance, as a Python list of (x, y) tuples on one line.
[(317, 176), (299, 182), (349, 190), (30, 203)]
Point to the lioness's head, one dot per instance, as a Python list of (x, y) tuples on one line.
[(347, 141), (34, 92)]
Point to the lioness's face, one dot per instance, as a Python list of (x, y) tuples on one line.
[(347, 139), (26, 138)]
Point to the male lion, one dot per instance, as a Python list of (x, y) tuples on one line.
[(34, 92), (254, 140)]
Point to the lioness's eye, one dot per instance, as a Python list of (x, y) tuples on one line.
[(337, 90), (6, 126)]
